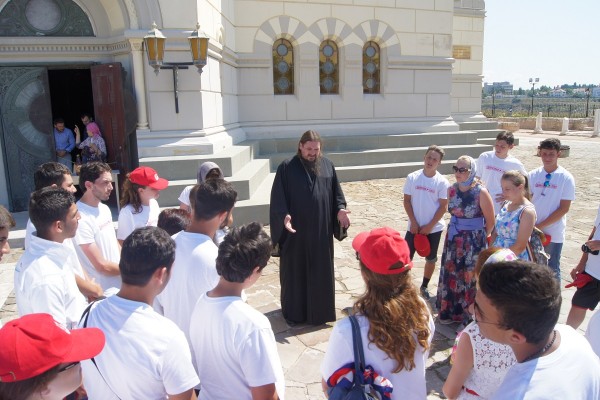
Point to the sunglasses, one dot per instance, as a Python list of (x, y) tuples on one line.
[(68, 366), (462, 170), (546, 183)]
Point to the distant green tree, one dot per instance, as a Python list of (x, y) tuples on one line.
[(520, 92)]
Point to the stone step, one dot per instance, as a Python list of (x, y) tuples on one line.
[(245, 182), (257, 207), (488, 133), (478, 125), (230, 160), (393, 170), (492, 141), (387, 156), (370, 142)]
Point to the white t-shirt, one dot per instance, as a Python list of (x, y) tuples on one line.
[(45, 283), (490, 169), (145, 356), (193, 274), (95, 226), (592, 333), (569, 372), (184, 197), (129, 221), (77, 269), (409, 385), (592, 266), (236, 350), (562, 187), (425, 196)]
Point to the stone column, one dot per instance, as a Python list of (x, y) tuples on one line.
[(565, 127), (596, 122), (139, 82), (538, 123)]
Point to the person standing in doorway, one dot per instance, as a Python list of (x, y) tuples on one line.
[(306, 200), (64, 143)]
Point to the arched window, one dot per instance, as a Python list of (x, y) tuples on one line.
[(283, 67), (371, 68), (329, 77)]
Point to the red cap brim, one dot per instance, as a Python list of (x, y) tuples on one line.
[(160, 184), (87, 343), (359, 240)]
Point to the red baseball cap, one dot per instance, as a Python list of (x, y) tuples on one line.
[(146, 176), (422, 245), (35, 343), (580, 281), (381, 248)]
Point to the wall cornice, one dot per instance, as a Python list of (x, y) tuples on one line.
[(23, 47)]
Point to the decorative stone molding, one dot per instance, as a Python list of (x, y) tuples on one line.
[(60, 47), (133, 19)]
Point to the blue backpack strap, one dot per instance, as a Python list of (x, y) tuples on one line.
[(359, 356)]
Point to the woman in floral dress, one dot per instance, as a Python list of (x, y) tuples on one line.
[(516, 219), (472, 221)]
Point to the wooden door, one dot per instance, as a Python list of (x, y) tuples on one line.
[(109, 112), (26, 129)]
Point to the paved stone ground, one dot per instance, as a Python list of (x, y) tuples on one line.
[(378, 203)]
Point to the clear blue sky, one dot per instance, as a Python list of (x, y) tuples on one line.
[(557, 41)]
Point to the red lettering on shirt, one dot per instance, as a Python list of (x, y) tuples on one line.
[(424, 188)]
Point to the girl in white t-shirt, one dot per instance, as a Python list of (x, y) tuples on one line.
[(139, 207), (479, 364), (395, 322)]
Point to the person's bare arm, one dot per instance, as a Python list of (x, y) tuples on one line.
[(462, 364), (526, 224), (93, 253), (414, 226), (88, 288), (264, 392), (187, 395), (487, 208), (184, 206), (325, 388), (580, 267), (439, 214), (556, 215)]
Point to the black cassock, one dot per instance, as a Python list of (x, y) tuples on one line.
[(306, 265)]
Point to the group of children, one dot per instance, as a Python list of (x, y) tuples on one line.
[(175, 323)]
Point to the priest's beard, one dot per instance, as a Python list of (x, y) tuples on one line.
[(313, 167)]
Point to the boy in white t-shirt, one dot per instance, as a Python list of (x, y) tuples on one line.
[(587, 270), (425, 203), (194, 271), (53, 174), (96, 241), (146, 356), (236, 352), (518, 304), (492, 164), (44, 278), (552, 191)]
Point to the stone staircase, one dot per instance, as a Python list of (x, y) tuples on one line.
[(250, 165)]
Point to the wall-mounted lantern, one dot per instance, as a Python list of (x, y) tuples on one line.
[(155, 50)]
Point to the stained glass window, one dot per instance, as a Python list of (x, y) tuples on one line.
[(329, 78), (283, 67), (371, 67)]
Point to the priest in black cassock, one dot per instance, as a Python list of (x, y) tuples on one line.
[(306, 200)]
